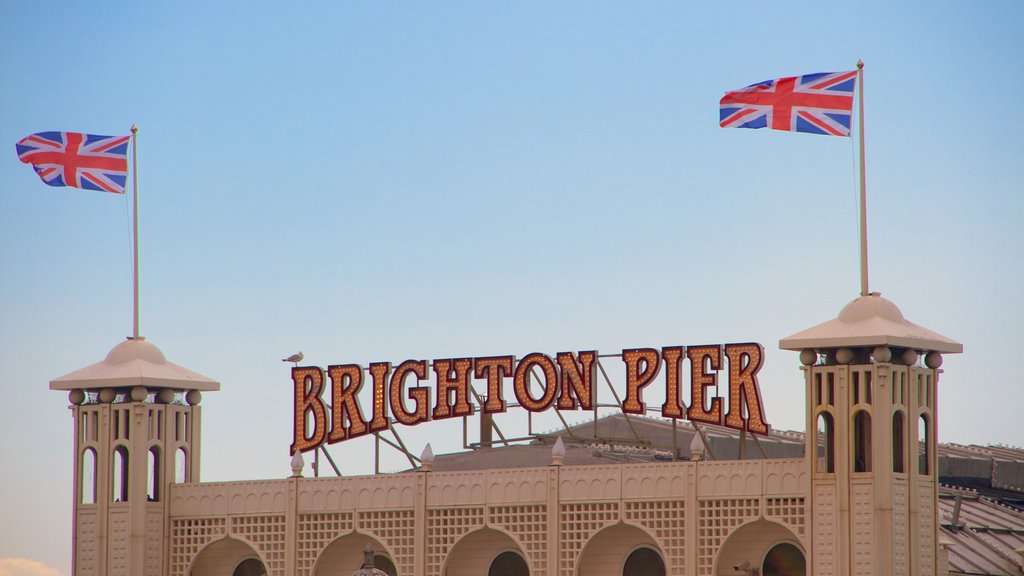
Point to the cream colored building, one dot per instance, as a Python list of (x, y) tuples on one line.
[(862, 499)]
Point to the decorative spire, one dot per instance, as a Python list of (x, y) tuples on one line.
[(427, 458), (558, 452), (696, 447), (297, 464)]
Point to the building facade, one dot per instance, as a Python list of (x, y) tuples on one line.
[(861, 500)]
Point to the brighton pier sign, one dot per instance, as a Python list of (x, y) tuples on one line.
[(566, 382)]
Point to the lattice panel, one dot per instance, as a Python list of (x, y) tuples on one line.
[(578, 523), (863, 511), (85, 536), (824, 542), (266, 533), (154, 542), (316, 531), (530, 525), (396, 529), (118, 558), (926, 524), (444, 528), (791, 511), (900, 528), (717, 519), (667, 519), (188, 536)]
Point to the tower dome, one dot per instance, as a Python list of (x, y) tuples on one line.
[(135, 348), (871, 306)]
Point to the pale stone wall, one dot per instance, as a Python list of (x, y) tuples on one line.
[(563, 521)]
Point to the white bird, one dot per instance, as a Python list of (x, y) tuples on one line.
[(294, 358)]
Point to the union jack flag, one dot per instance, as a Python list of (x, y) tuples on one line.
[(819, 103), (78, 160)]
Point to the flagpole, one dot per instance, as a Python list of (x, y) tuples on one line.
[(863, 186), (135, 233)]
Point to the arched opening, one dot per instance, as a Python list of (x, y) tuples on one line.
[(345, 555), (228, 556), (924, 459), (153, 475), (644, 561), (748, 545), (250, 567), (508, 563), (784, 559), (180, 466), (485, 551), (88, 476), (120, 475), (608, 551), (898, 459), (862, 441), (826, 443)]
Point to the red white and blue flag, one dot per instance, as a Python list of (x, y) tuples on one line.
[(819, 103), (79, 160)]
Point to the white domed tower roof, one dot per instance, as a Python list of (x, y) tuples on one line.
[(870, 321), (135, 362)]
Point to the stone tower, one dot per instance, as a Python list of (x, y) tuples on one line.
[(871, 381), (137, 430)]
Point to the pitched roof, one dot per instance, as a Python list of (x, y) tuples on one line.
[(134, 362), (984, 537), (870, 321)]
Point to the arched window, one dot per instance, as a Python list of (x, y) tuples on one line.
[(384, 563), (180, 466), (508, 564), (644, 562), (250, 567), (120, 476), (153, 475), (924, 460), (898, 441), (826, 443), (88, 476), (862, 441), (784, 559)]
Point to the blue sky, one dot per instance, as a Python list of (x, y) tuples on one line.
[(385, 181)]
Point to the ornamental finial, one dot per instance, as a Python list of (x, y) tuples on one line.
[(860, 64)]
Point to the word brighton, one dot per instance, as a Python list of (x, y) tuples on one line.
[(566, 381)]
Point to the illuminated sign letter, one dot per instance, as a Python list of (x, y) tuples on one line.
[(420, 395), (309, 382), (577, 379), (521, 381), (700, 380), (673, 355), (451, 380), (346, 380), (744, 363), (379, 371), (495, 369), (642, 366)]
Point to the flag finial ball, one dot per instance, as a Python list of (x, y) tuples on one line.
[(134, 128), (860, 64)]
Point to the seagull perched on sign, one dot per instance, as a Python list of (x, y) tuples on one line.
[(294, 358)]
